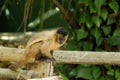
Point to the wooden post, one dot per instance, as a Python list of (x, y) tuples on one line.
[(43, 68)]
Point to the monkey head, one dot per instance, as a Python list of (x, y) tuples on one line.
[(61, 36)]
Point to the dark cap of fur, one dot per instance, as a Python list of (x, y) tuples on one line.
[(62, 31)]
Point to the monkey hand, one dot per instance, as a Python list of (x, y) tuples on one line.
[(43, 58), (13, 67)]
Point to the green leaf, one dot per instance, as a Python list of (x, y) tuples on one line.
[(110, 72), (64, 77), (117, 32), (89, 22), (81, 34), (84, 73), (88, 46), (99, 41), (114, 40), (73, 72), (117, 74), (82, 18), (80, 45), (71, 45), (96, 32), (99, 3), (114, 6), (92, 8), (96, 72), (97, 21), (106, 30), (104, 14), (110, 20), (118, 79)]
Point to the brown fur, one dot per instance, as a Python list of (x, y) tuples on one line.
[(39, 45)]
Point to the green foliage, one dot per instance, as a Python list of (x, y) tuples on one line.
[(84, 72), (99, 31), (81, 34), (97, 20), (104, 14), (114, 6), (114, 40), (96, 72), (97, 34), (110, 20), (64, 77), (89, 22), (106, 30), (87, 46)]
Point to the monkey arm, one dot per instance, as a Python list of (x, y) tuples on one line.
[(45, 49), (46, 53)]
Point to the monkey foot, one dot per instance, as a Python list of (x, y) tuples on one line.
[(44, 59), (13, 67), (48, 59)]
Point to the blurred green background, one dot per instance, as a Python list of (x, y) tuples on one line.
[(12, 14), (98, 29)]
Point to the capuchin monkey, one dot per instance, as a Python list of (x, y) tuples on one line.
[(42, 45)]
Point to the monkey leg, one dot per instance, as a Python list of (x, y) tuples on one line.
[(30, 53), (15, 66)]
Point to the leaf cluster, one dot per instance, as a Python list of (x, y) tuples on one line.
[(99, 25), (99, 30)]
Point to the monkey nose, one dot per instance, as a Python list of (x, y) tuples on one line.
[(60, 41)]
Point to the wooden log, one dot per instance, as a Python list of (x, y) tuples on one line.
[(87, 57), (48, 78), (68, 57), (19, 75), (10, 54)]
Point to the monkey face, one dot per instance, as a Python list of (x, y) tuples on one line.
[(62, 36), (61, 39)]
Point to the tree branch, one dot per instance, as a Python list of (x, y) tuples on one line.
[(67, 14)]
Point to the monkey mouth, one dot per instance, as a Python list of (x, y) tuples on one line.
[(61, 41)]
